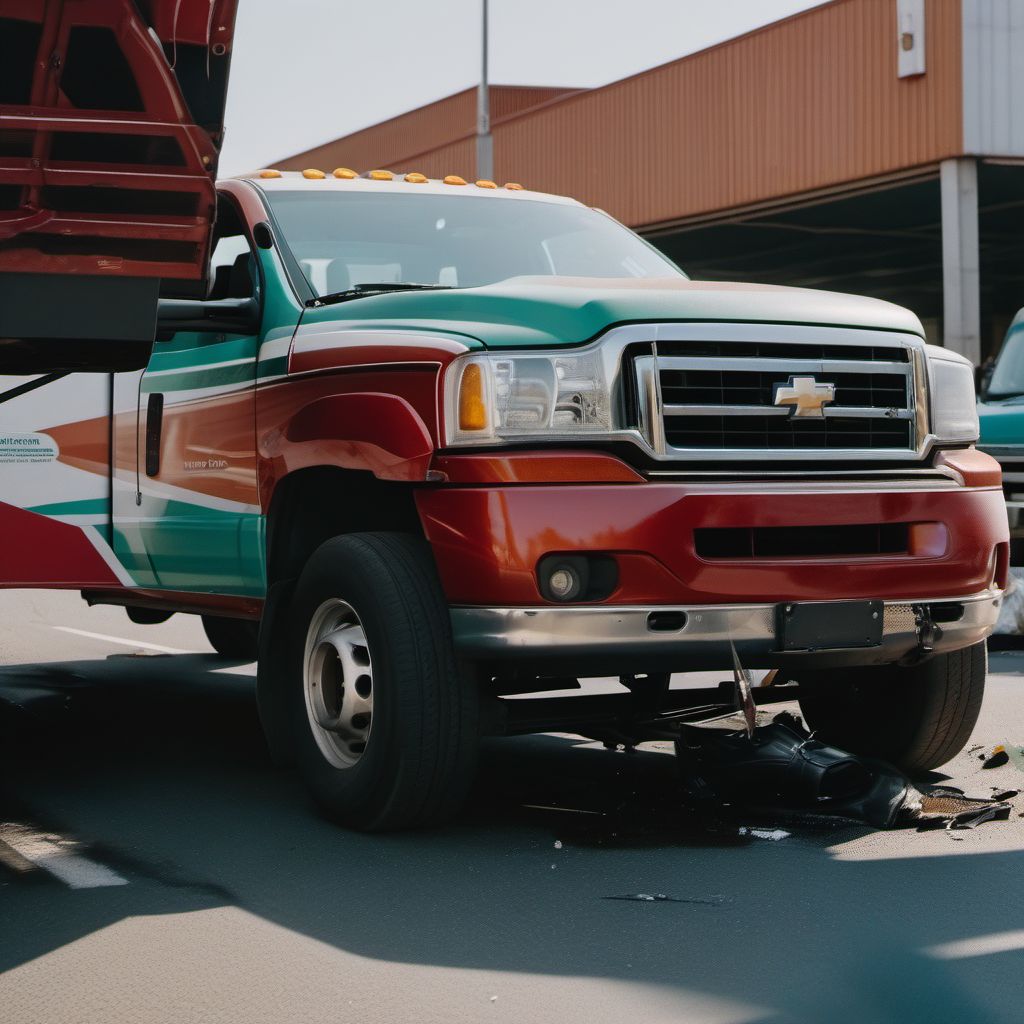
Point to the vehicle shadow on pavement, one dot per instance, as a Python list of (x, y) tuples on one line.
[(165, 754)]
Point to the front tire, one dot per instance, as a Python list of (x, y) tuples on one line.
[(916, 717), (384, 724)]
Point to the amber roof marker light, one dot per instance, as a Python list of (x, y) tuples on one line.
[(484, 183), (344, 172), (454, 179), (380, 176), (270, 173), (415, 178), (313, 174), (514, 186)]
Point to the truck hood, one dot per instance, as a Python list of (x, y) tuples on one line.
[(1002, 422), (544, 311)]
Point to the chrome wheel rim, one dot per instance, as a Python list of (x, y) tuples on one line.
[(338, 683)]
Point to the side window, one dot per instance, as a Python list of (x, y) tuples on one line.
[(232, 263)]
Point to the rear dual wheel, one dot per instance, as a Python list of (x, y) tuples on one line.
[(232, 638), (383, 723)]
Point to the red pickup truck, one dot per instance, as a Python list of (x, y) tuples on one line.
[(425, 444)]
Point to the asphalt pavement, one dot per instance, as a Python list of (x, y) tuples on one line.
[(155, 866)]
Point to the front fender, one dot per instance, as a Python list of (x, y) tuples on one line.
[(370, 431)]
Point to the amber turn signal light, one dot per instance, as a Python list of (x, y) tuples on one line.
[(472, 412)]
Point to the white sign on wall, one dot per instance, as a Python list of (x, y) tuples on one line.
[(910, 38)]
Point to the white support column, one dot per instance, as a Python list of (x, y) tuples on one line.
[(961, 278)]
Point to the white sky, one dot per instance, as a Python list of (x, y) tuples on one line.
[(308, 71)]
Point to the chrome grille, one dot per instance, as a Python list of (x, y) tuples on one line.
[(718, 398)]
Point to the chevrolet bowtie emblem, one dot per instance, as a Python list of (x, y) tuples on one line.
[(805, 395)]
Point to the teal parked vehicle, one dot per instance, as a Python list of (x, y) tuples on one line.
[(1001, 412)]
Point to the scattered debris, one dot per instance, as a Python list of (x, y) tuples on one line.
[(558, 844), (563, 810), (774, 834), (948, 807), (996, 759), (744, 697), (781, 767), (1003, 753), (643, 897), (1004, 794)]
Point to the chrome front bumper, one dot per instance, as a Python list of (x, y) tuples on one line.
[(608, 637)]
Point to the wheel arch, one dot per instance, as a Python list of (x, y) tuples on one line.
[(311, 505)]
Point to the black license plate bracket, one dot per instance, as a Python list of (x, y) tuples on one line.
[(828, 625)]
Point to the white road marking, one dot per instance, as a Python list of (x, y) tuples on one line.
[(123, 641), (979, 945), (58, 857)]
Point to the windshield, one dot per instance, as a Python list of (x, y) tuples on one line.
[(1008, 376), (343, 241)]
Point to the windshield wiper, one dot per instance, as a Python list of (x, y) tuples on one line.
[(362, 290)]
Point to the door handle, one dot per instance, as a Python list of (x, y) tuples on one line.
[(154, 429)]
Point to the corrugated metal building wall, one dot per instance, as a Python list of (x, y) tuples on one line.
[(803, 104), (994, 77), (422, 134)]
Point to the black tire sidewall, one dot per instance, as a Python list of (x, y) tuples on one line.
[(917, 717), (410, 652), (232, 638)]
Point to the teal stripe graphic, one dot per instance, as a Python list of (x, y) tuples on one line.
[(195, 548), (273, 367), (85, 507), (190, 380), (197, 357)]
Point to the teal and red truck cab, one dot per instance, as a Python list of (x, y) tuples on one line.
[(425, 445)]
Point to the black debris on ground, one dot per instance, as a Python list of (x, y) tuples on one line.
[(996, 759), (643, 897), (782, 767)]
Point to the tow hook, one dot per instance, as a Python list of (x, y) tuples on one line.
[(929, 632)]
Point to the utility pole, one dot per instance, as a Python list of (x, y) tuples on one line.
[(484, 142)]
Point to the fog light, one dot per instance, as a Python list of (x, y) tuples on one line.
[(564, 583), (565, 577)]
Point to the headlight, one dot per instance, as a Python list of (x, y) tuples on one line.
[(951, 388), (497, 396)]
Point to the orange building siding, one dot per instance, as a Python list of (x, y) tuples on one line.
[(807, 103), (803, 104), (395, 142)]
